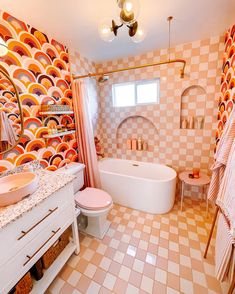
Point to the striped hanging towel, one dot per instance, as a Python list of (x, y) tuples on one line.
[(224, 250), (221, 157), (226, 196)]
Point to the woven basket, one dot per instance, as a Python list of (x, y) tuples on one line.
[(24, 286), (37, 270), (52, 253)]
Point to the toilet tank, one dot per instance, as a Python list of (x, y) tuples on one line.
[(76, 169)]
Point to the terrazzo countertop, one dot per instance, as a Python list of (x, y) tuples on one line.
[(49, 183)]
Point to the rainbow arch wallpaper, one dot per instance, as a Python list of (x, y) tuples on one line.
[(40, 69), (227, 88)]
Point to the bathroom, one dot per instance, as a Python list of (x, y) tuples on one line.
[(117, 128)]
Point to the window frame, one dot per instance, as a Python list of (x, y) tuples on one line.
[(136, 83)]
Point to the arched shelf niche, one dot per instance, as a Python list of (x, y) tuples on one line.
[(134, 127), (193, 104)]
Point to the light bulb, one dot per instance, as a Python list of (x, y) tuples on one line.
[(129, 10), (128, 6), (139, 35), (3, 47), (106, 32)]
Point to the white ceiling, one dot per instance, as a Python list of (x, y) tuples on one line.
[(75, 23)]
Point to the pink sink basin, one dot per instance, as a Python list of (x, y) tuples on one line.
[(15, 187)]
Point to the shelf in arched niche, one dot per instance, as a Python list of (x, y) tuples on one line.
[(193, 104), (134, 127)]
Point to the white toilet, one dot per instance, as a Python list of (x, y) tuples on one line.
[(94, 203)]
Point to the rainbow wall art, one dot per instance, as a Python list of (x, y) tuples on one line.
[(39, 67), (227, 89)]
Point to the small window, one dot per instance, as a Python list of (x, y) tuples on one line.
[(136, 93), (124, 95)]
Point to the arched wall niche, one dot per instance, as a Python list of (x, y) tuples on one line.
[(134, 127), (193, 104)]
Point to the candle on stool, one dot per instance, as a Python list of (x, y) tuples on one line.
[(196, 173)]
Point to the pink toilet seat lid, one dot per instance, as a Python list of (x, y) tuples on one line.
[(93, 199)]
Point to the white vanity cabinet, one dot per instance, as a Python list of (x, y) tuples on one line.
[(26, 239)]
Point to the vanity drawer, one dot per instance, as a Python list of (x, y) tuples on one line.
[(19, 233), (19, 264)]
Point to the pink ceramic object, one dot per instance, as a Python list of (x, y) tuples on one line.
[(14, 188)]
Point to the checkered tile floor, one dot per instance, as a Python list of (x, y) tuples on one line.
[(144, 253)]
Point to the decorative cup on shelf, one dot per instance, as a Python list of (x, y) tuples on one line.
[(139, 144), (134, 144), (184, 123), (199, 122), (196, 173), (190, 122)]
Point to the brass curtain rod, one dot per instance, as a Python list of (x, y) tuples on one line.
[(89, 75)]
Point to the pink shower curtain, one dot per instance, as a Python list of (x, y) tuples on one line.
[(87, 152)]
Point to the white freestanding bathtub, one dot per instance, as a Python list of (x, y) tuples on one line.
[(144, 186)]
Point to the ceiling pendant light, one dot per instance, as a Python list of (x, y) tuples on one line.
[(106, 32), (139, 35), (128, 13), (3, 47)]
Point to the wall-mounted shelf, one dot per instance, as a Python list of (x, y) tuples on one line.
[(55, 112), (58, 134)]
